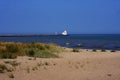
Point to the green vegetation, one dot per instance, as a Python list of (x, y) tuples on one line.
[(6, 55), (46, 54), (10, 50), (103, 50), (7, 62), (12, 63), (94, 50), (11, 75), (30, 52), (10, 69), (2, 68), (75, 50), (112, 51)]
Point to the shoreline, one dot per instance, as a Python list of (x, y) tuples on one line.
[(71, 41), (59, 45)]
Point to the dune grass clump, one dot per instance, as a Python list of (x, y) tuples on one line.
[(94, 50), (14, 63), (8, 56), (40, 46), (11, 75), (35, 52), (112, 51), (42, 50), (10, 69), (10, 50), (75, 50), (45, 54), (30, 52), (103, 50), (7, 62), (2, 68)]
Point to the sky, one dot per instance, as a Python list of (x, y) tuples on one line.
[(50, 16)]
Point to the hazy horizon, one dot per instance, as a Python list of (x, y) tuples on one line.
[(60, 33)]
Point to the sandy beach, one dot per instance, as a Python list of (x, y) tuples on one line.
[(82, 65)]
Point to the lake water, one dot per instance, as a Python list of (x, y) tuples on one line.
[(88, 41)]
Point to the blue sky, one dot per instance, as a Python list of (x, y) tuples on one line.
[(50, 16)]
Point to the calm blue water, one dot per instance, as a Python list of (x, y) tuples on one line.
[(89, 41)]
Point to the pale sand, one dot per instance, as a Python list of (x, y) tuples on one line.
[(84, 65)]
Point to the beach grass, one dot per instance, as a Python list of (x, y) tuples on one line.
[(103, 50), (75, 50), (2, 68), (11, 75), (94, 50), (10, 50), (113, 51)]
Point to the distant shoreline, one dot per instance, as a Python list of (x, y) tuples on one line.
[(32, 35), (22, 35)]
